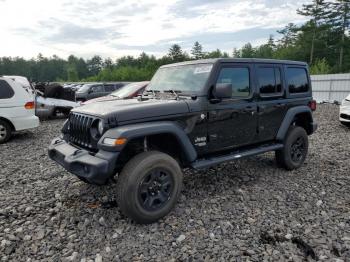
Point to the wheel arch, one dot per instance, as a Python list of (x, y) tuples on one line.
[(9, 122), (300, 116), (167, 137)]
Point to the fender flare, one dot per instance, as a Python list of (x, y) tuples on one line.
[(146, 129), (288, 119)]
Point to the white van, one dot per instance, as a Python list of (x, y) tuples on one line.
[(17, 108)]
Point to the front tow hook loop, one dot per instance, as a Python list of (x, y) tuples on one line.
[(76, 152)]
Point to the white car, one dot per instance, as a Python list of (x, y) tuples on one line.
[(344, 112), (17, 108)]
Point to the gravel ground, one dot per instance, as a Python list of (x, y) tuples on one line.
[(248, 210)]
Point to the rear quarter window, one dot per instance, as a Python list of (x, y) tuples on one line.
[(297, 80), (6, 90)]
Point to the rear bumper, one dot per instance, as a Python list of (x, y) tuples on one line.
[(96, 169), (23, 123)]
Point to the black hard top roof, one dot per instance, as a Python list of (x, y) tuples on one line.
[(238, 60)]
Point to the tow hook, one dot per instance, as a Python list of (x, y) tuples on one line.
[(76, 152)]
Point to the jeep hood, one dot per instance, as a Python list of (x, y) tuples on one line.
[(133, 109)]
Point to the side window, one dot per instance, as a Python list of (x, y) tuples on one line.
[(270, 80), (238, 77), (97, 89), (5, 90), (297, 80), (141, 91), (109, 88)]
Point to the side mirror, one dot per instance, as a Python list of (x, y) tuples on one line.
[(90, 91), (222, 91)]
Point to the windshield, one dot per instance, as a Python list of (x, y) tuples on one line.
[(186, 78), (84, 88), (128, 90)]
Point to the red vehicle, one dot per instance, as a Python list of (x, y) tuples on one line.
[(129, 91)]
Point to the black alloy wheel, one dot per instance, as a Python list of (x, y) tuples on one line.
[(155, 189)]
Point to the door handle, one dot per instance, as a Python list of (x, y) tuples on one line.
[(249, 109), (279, 105)]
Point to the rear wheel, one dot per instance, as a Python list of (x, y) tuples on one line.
[(5, 132), (295, 150), (149, 186)]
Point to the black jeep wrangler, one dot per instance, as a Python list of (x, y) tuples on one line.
[(192, 115)]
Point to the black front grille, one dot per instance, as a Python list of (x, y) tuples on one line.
[(344, 116), (79, 130)]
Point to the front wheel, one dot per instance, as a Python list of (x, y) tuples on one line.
[(149, 186), (295, 150)]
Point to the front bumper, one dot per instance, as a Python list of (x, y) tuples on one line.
[(95, 168), (344, 114)]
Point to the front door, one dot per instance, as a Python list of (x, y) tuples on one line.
[(233, 122)]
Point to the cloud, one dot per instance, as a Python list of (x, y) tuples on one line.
[(66, 32), (114, 28)]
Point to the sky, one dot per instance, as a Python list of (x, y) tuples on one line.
[(113, 28)]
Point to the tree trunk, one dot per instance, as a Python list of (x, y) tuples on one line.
[(314, 36), (313, 45), (341, 54)]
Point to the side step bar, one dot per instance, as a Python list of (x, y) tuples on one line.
[(205, 163)]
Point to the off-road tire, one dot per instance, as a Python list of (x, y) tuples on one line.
[(5, 131), (284, 157), (131, 183)]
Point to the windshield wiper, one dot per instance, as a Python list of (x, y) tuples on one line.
[(154, 93), (174, 92)]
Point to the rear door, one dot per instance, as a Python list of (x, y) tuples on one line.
[(233, 122), (272, 104)]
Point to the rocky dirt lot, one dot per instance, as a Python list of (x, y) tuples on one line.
[(248, 210)]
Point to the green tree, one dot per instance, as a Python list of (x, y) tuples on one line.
[(176, 54), (72, 74), (94, 65), (339, 17), (318, 11), (197, 51), (236, 53), (289, 35), (320, 67), (267, 50), (247, 51)]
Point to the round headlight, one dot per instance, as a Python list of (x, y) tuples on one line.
[(100, 127)]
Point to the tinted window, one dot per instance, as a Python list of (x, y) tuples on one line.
[(297, 80), (5, 90), (270, 80), (109, 88), (239, 78), (97, 89), (117, 86)]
